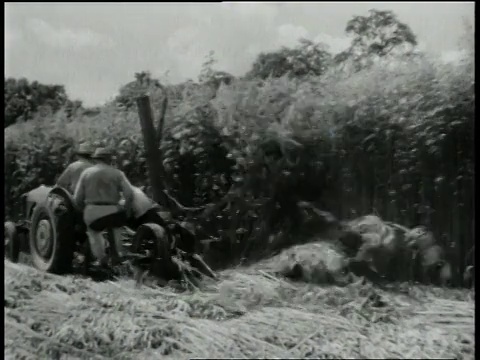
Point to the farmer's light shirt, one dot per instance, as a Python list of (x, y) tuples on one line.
[(69, 178), (99, 191)]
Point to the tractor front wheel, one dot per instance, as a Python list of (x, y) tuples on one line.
[(12, 241), (50, 242)]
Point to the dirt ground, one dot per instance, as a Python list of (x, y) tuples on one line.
[(248, 313)]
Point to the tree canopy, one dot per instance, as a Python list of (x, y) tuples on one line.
[(379, 34), (23, 99), (307, 58)]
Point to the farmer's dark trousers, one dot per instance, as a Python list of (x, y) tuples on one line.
[(97, 242)]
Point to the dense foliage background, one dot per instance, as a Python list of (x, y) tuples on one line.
[(379, 128)]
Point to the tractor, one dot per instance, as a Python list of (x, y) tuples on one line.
[(53, 232)]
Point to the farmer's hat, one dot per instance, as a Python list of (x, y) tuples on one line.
[(85, 149), (102, 154)]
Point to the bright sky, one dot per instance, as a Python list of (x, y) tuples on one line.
[(94, 48)]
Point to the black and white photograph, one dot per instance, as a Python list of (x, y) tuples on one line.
[(239, 180)]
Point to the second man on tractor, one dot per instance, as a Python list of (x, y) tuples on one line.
[(69, 178)]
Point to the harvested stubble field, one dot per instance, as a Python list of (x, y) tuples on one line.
[(248, 313)]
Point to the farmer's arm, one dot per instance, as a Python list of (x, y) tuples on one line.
[(79, 195), (127, 190), (64, 178)]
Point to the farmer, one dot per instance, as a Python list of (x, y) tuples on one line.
[(98, 193), (69, 178)]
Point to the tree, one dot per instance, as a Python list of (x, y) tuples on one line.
[(143, 84), (207, 67), (23, 99), (211, 77), (308, 58), (72, 107), (377, 35)]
